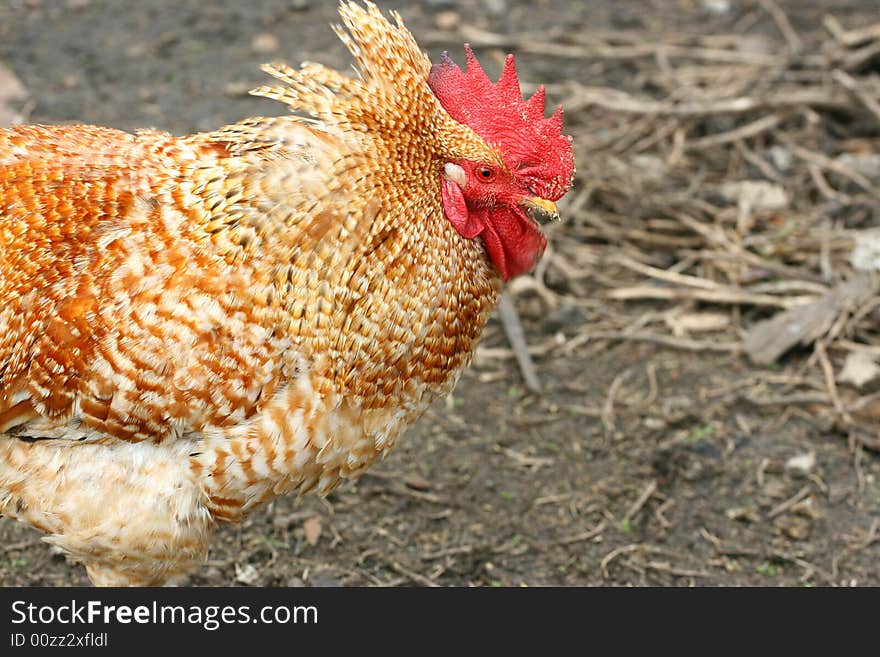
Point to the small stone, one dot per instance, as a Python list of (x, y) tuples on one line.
[(11, 88), (774, 489), (265, 43), (866, 250), (807, 509), (136, 50), (496, 7), (801, 465), (446, 20), (756, 194), (717, 7), (859, 369), (416, 482), (213, 574), (312, 530), (11, 91), (246, 574), (323, 578), (867, 164), (166, 40), (780, 157), (794, 527), (146, 94), (743, 514), (237, 88)]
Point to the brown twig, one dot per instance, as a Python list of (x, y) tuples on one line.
[(665, 341), (747, 131), (795, 45), (516, 337), (783, 99), (789, 503), (608, 406), (850, 84), (584, 536), (851, 37), (641, 500)]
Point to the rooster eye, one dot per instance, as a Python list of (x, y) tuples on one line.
[(485, 174)]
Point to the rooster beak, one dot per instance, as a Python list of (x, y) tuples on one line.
[(540, 209)]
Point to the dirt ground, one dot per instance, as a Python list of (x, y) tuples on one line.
[(639, 464)]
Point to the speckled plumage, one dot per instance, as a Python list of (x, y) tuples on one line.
[(191, 326)]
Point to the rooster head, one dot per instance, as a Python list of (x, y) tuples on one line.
[(503, 201), (501, 162)]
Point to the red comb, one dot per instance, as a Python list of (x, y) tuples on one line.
[(533, 146)]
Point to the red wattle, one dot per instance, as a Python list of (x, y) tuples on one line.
[(513, 242), (467, 224)]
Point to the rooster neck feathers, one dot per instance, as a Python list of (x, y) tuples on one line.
[(366, 271)]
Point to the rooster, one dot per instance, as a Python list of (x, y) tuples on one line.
[(192, 326)]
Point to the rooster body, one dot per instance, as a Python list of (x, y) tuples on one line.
[(192, 326)]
